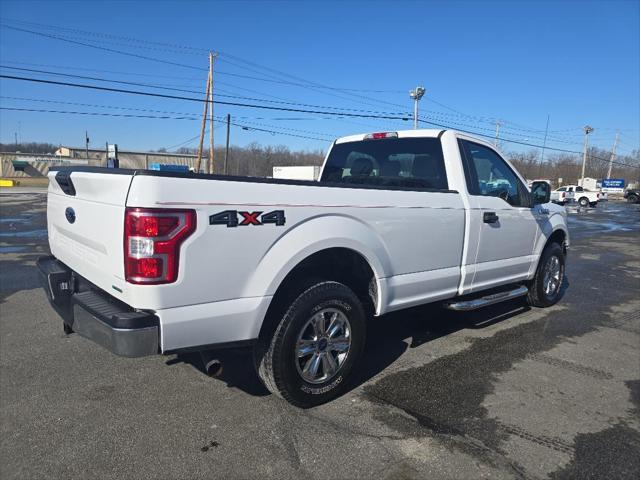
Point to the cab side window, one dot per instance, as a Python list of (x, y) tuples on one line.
[(489, 175)]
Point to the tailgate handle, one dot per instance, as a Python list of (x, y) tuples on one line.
[(64, 180)]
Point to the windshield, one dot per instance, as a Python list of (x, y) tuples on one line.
[(392, 162)]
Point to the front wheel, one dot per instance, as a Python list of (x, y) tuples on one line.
[(315, 346), (632, 198), (546, 285), (584, 201)]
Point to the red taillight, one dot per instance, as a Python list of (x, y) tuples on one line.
[(152, 239), (563, 194)]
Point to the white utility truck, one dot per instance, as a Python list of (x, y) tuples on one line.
[(584, 197), (146, 262)]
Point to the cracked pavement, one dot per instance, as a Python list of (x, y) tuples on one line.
[(504, 392)]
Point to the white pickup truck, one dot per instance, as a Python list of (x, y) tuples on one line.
[(148, 262), (584, 197)]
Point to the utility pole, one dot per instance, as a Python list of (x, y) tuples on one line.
[(226, 150), (613, 154), (587, 130), (544, 143), (212, 57), (86, 144), (416, 94), (15, 137), (498, 124), (204, 123)]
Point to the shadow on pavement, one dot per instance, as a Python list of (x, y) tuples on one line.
[(388, 338)]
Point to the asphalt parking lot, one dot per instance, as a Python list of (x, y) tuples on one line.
[(505, 392)]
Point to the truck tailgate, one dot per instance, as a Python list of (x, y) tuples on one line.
[(85, 220)]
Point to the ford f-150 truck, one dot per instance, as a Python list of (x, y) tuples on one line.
[(146, 262)]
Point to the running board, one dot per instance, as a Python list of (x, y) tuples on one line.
[(466, 305)]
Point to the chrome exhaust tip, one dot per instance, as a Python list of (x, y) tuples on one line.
[(212, 366)]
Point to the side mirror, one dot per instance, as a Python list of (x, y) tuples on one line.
[(540, 193)]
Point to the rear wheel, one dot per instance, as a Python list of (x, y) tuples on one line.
[(546, 285), (315, 346), (583, 201)]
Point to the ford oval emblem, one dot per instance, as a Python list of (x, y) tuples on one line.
[(70, 214)]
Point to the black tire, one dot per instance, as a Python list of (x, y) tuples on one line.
[(583, 201), (632, 198), (277, 362), (537, 295)]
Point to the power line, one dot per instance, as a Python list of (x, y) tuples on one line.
[(119, 107), (199, 92), (192, 50), (309, 85), (532, 145), (221, 102), (163, 117), (388, 117), (107, 35), (429, 116), (275, 132), (68, 39), (234, 60), (63, 39), (190, 140), (103, 114)]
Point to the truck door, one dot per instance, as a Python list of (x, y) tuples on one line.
[(499, 209)]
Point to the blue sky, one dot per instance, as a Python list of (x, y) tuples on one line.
[(517, 62)]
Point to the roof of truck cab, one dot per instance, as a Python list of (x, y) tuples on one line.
[(401, 134)]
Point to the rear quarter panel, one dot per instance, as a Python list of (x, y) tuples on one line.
[(411, 239)]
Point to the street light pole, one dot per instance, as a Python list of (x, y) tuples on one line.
[(498, 124), (613, 154), (587, 130), (416, 94)]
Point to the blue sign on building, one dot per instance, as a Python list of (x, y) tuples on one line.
[(613, 183)]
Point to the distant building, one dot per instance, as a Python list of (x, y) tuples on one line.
[(128, 159), (37, 165)]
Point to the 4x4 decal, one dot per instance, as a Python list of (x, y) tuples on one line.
[(235, 218)]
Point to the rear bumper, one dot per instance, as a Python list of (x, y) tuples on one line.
[(96, 315)]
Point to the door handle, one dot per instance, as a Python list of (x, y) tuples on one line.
[(490, 217)]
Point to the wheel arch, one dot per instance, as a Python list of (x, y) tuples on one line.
[(341, 264), (327, 247), (558, 235)]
